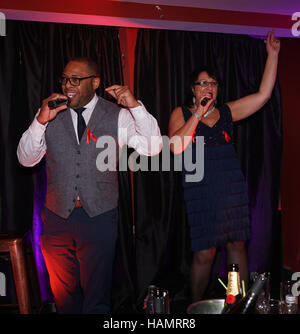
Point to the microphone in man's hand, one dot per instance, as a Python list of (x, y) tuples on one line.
[(58, 102), (204, 101)]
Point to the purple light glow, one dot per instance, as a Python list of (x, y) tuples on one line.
[(37, 228)]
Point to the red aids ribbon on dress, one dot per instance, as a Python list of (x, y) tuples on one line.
[(89, 136), (227, 137)]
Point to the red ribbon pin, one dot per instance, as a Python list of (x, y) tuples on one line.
[(89, 136), (226, 135)]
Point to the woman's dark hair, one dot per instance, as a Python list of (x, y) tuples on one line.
[(193, 78)]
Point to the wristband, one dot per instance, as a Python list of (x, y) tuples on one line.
[(197, 116)]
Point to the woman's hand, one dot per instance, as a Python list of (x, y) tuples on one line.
[(248, 105), (200, 109), (272, 44)]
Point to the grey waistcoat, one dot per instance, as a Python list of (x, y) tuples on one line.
[(71, 168)]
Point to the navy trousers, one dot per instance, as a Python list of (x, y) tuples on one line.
[(79, 253)]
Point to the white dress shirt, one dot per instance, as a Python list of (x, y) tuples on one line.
[(136, 128)]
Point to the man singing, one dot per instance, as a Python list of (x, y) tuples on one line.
[(80, 212)]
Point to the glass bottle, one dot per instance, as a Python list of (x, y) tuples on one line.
[(233, 292), (263, 300), (246, 305), (149, 300), (290, 305)]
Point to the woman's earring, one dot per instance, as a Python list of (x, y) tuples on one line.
[(194, 100)]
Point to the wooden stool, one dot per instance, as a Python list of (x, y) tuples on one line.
[(15, 248)]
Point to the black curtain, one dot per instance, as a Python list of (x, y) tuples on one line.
[(164, 60), (32, 57)]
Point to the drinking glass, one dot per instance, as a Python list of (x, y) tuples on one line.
[(274, 306), (161, 302)]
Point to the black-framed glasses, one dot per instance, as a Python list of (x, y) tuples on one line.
[(204, 83), (74, 81)]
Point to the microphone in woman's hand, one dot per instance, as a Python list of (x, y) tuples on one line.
[(204, 101), (58, 102)]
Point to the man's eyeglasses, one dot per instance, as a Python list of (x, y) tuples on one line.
[(74, 81), (204, 83)]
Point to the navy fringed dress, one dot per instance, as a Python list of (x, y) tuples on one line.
[(217, 206)]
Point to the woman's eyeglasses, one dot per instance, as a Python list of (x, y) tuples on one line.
[(204, 83)]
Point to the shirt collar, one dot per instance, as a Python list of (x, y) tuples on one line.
[(92, 103)]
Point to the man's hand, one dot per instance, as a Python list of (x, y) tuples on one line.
[(46, 114), (123, 96)]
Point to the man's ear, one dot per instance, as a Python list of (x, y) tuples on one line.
[(96, 82)]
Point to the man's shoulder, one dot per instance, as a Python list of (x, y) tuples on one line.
[(105, 104)]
